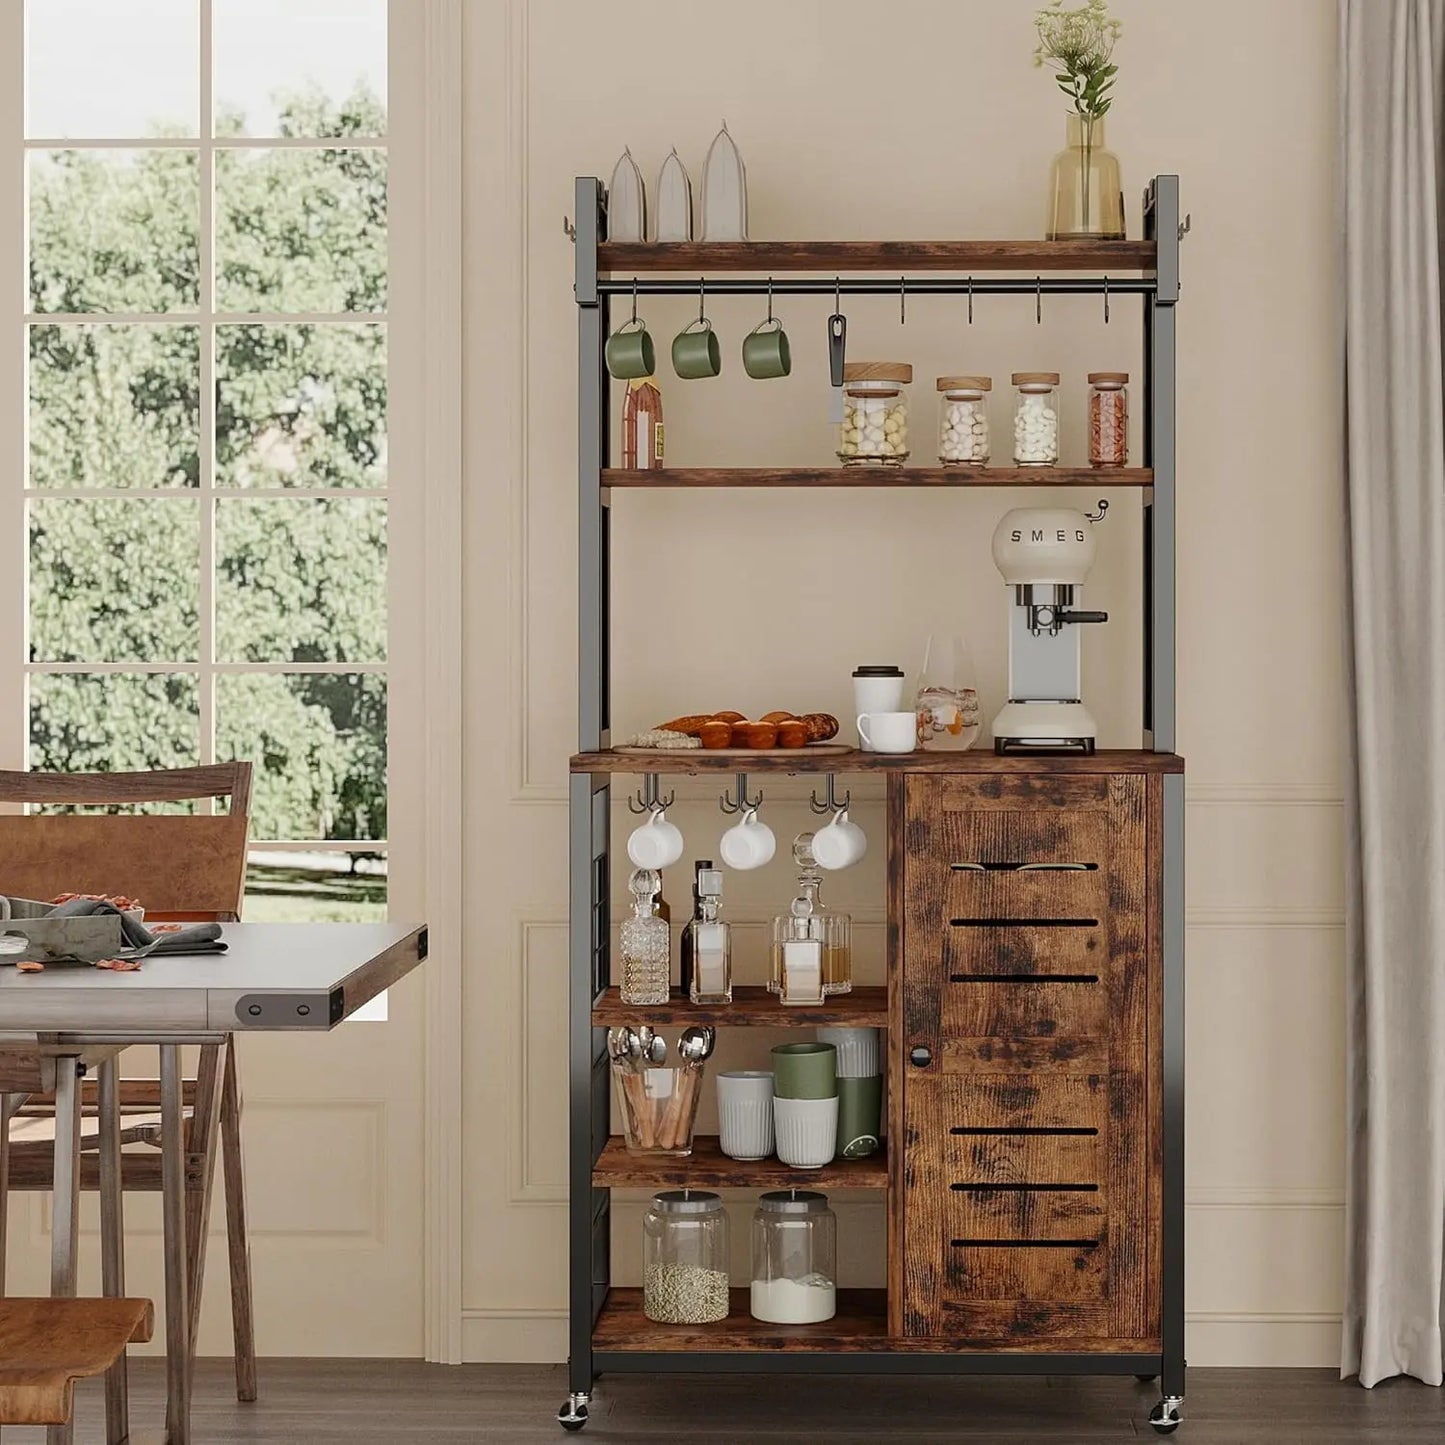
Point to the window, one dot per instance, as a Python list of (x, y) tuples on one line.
[(205, 473)]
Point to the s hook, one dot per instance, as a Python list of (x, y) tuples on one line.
[(1106, 300), (830, 802), (903, 300), (738, 801), (648, 798), (1038, 300), (970, 300)]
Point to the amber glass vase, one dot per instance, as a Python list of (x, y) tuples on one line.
[(1086, 197)]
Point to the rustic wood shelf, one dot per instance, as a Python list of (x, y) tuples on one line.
[(700, 760), (709, 1168), (665, 478), (861, 1323), (714, 257), (752, 1007)]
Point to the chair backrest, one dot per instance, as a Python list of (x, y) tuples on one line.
[(176, 865)]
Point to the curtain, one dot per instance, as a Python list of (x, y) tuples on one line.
[(1391, 175)]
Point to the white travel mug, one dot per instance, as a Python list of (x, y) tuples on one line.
[(877, 687)]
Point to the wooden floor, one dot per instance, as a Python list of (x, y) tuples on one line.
[(368, 1402)]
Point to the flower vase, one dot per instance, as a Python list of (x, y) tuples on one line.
[(1086, 198)]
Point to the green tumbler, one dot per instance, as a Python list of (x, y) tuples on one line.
[(805, 1071), (860, 1116)]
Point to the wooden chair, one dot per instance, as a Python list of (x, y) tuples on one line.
[(46, 1345), (179, 867)]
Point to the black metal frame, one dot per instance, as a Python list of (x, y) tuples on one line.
[(590, 1208)]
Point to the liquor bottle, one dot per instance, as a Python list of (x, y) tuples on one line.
[(646, 943), (809, 917), (712, 949), (685, 958)]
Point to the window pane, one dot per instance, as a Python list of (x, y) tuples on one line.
[(114, 406), (291, 887), (114, 231), (109, 722), (318, 742), (300, 67), (301, 230), (114, 580), (301, 581), (112, 68), (301, 406)]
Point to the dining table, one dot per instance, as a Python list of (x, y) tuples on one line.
[(67, 1020)]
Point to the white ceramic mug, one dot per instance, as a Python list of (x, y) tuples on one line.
[(656, 843), (806, 1131), (888, 732), (748, 844), (745, 1113), (840, 844)]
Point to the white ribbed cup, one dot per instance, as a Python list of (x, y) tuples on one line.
[(807, 1131), (745, 1113), (858, 1051)]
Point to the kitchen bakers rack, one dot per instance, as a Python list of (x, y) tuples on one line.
[(1034, 1168)]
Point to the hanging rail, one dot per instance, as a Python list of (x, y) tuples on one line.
[(879, 286)]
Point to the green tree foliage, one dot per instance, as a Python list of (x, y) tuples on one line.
[(296, 406)]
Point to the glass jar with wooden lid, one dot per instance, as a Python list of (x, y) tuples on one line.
[(1036, 419), (874, 431), (1108, 418), (963, 420)]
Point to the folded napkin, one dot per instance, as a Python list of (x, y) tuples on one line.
[(140, 941)]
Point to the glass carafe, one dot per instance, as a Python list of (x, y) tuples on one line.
[(809, 918), (949, 715), (646, 943)]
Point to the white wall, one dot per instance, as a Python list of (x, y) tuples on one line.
[(918, 119)]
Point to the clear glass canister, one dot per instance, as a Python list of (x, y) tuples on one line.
[(963, 420), (685, 1258), (875, 413), (1108, 418), (795, 1258), (1036, 419)]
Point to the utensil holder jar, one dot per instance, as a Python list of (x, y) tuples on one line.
[(659, 1105)]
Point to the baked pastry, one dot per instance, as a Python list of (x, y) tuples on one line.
[(715, 733), (793, 733), (821, 726)]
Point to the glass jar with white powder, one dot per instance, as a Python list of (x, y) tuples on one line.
[(795, 1258)]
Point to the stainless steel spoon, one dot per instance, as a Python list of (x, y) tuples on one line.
[(652, 1045), (696, 1044)]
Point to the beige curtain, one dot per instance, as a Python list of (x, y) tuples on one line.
[(1390, 107)]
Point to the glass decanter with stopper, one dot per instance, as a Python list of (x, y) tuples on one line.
[(809, 918), (646, 943), (710, 943)]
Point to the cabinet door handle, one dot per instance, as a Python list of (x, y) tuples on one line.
[(920, 1056)]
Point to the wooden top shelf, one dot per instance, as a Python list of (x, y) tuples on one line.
[(752, 1007), (707, 1167), (714, 257), (700, 760), (662, 478)]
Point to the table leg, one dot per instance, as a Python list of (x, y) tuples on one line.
[(112, 1242), (173, 1209), (65, 1208), (9, 1103)]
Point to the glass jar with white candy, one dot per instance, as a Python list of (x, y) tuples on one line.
[(1036, 419), (875, 413), (963, 420)]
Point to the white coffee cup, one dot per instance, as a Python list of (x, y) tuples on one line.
[(877, 688), (840, 843), (748, 844), (656, 843), (888, 732), (806, 1131), (745, 1113)]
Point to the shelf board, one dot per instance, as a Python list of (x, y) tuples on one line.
[(860, 1324), (709, 1168), (665, 478), (715, 257), (752, 1007), (799, 760)]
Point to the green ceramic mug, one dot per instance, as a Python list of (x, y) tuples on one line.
[(860, 1116), (766, 352), (695, 352), (805, 1071), (630, 352)]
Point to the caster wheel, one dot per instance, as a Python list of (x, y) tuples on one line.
[(572, 1417), (1146, 1379), (1165, 1418)]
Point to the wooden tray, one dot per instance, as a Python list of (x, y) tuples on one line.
[(813, 750)]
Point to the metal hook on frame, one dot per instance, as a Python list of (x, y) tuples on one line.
[(837, 295), (903, 300), (738, 801), (970, 300), (634, 301), (830, 803), (701, 299), (1038, 300), (648, 799), (1106, 300), (568, 229), (770, 300)]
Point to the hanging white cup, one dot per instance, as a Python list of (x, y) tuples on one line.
[(748, 844), (840, 843), (656, 843)]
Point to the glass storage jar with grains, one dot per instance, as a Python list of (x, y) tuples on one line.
[(875, 413), (685, 1258)]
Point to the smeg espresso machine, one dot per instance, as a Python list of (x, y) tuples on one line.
[(1044, 554)]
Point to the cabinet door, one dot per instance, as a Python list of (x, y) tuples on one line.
[(1028, 1212)]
